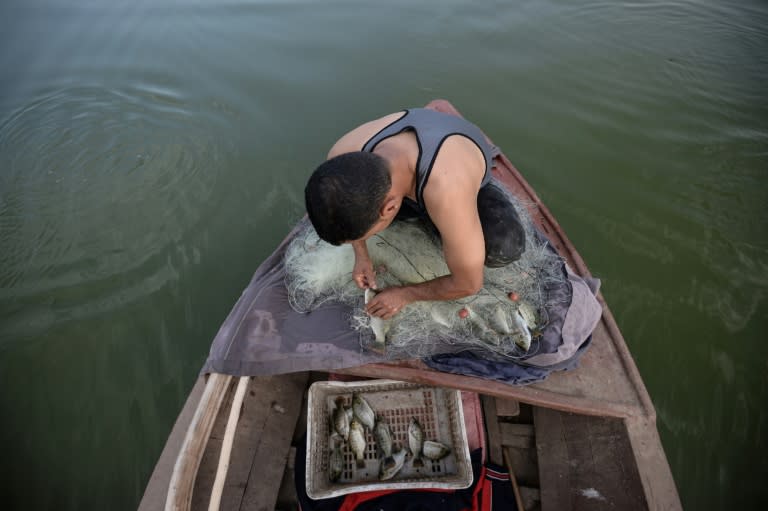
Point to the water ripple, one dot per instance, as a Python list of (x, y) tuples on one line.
[(99, 186)]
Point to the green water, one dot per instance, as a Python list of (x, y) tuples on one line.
[(152, 153)]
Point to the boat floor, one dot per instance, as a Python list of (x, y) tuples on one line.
[(560, 460)]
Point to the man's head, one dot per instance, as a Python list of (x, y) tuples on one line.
[(345, 195)]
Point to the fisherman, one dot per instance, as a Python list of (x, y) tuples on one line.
[(423, 163)]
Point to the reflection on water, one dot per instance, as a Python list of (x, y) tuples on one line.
[(152, 153)]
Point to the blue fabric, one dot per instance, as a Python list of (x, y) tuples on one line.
[(469, 364)]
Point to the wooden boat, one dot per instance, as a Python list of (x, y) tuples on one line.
[(577, 432)]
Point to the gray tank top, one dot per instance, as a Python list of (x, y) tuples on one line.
[(431, 129)]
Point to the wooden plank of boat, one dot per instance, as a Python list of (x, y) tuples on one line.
[(184, 476), (263, 438), (195, 441), (586, 463), (492, 430)]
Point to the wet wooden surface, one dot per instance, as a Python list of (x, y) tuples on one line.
[(493, 433), (262, 445), (586, 463)]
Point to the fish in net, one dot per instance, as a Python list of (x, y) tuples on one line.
[(503, 321)]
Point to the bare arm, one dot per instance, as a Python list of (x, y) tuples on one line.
[(455, 216), (464, 250), (452, 205)]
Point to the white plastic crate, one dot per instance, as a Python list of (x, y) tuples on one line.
[(438, 410)]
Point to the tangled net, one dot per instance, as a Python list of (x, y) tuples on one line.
[(409, 252)]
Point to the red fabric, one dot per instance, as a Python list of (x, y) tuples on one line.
[(473, 421), (346, 377), (481, 497), (487, 496), (355, 499)]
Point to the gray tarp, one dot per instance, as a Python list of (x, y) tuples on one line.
[(263, 335)]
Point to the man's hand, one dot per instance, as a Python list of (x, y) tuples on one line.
[(363, 273), (389, 302)]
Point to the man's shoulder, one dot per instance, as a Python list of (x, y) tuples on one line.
[(459, 161), (355, 139)]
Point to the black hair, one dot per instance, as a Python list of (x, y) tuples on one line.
[(344, 195)]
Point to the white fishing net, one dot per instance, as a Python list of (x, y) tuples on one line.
[(504, 319)]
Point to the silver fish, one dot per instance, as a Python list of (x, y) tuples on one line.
[(379, 326), (335, 464), (435, 450), (481, 329), (363, 411), (529, 315), (441, 317), (415, 441), (340, 420), (389, 471), (383, 436), (523, 337), (498, 320), (357, 442)]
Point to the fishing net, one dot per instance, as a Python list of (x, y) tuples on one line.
[(504, 320)]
